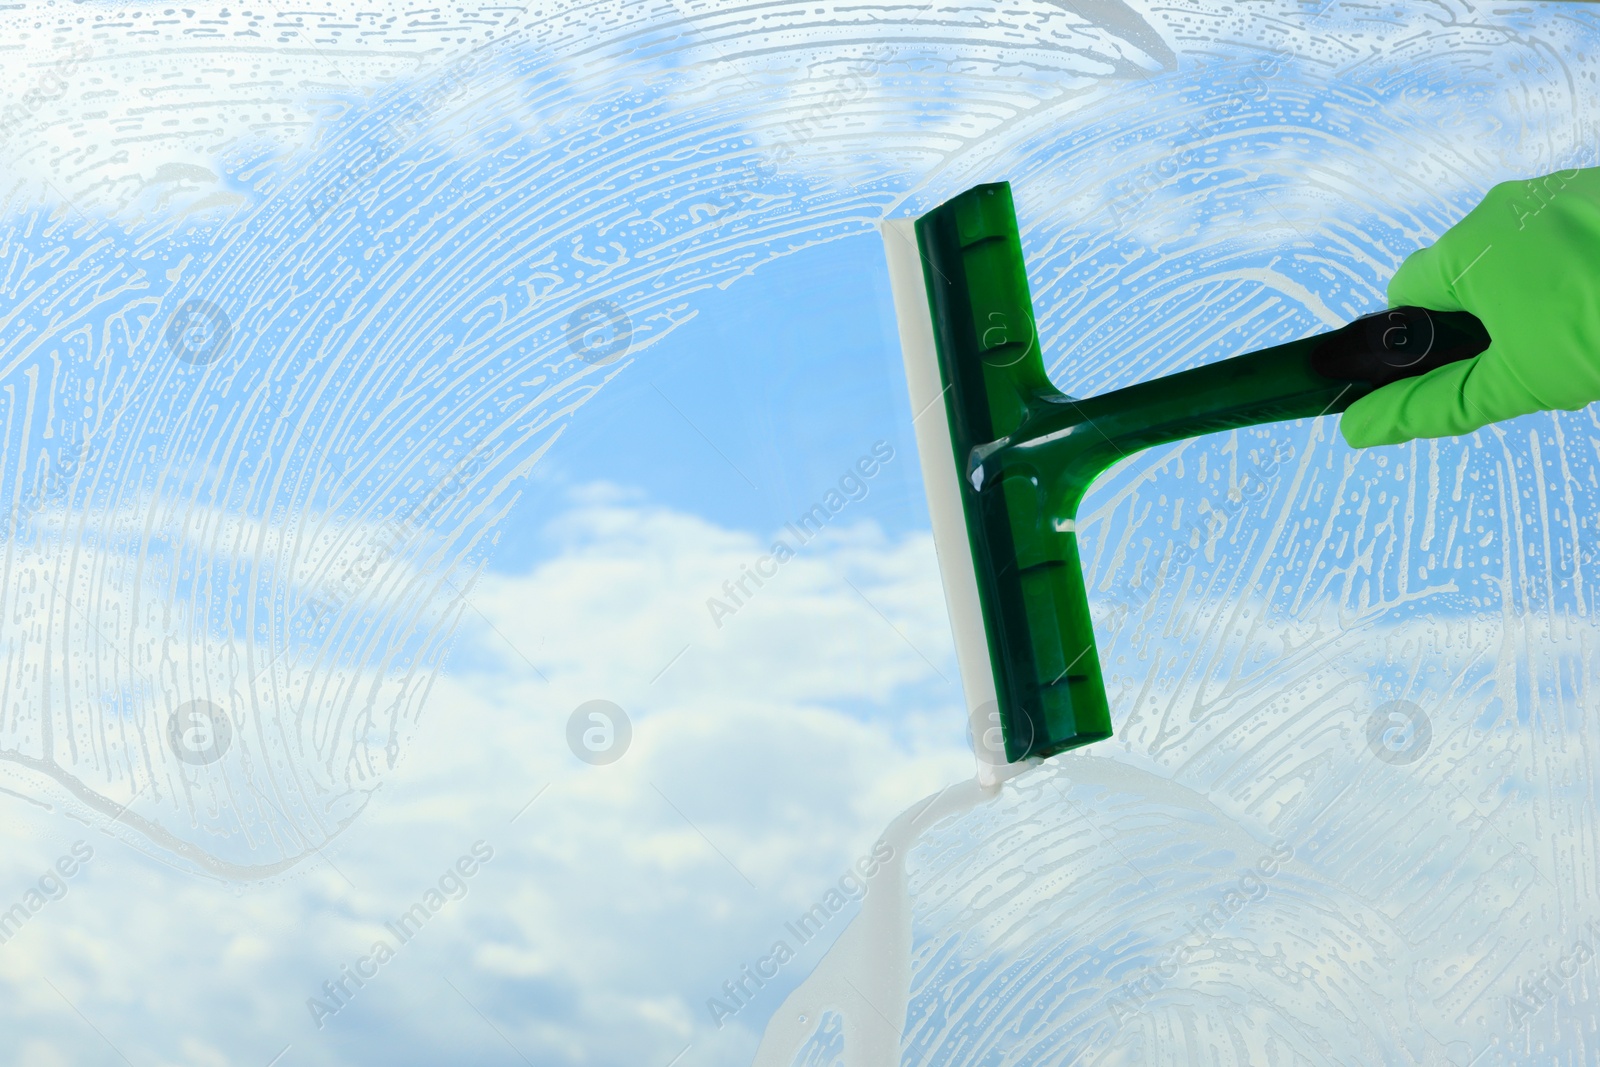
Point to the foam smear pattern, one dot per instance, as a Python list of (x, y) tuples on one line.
[(1348, 815), (280, 358), (282, 348)]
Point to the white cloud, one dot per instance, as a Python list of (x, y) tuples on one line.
[(617, 902)]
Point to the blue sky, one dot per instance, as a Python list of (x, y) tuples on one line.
[(787, 377), (409, 345)]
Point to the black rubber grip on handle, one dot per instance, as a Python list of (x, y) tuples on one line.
[(1398, 343)]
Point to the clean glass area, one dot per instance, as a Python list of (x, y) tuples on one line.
[(468, 593)]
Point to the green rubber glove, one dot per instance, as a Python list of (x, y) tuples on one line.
[(1526, 261)]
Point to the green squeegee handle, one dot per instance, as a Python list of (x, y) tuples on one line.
[(1402, 342), (1318, 375), (1026, 453)]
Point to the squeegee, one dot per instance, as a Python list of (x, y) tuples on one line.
[(1007, 457)]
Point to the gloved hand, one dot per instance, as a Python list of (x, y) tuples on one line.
[(1526, 261)]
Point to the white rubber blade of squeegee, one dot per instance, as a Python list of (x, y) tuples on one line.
[(934, 448)]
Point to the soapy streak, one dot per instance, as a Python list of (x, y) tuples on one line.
[(1131, 997), (1508, 519), (1533, 992), (1194, 535), (1149, 182), (1369, 577), (51, 490), (854, 884), (51, 85)]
